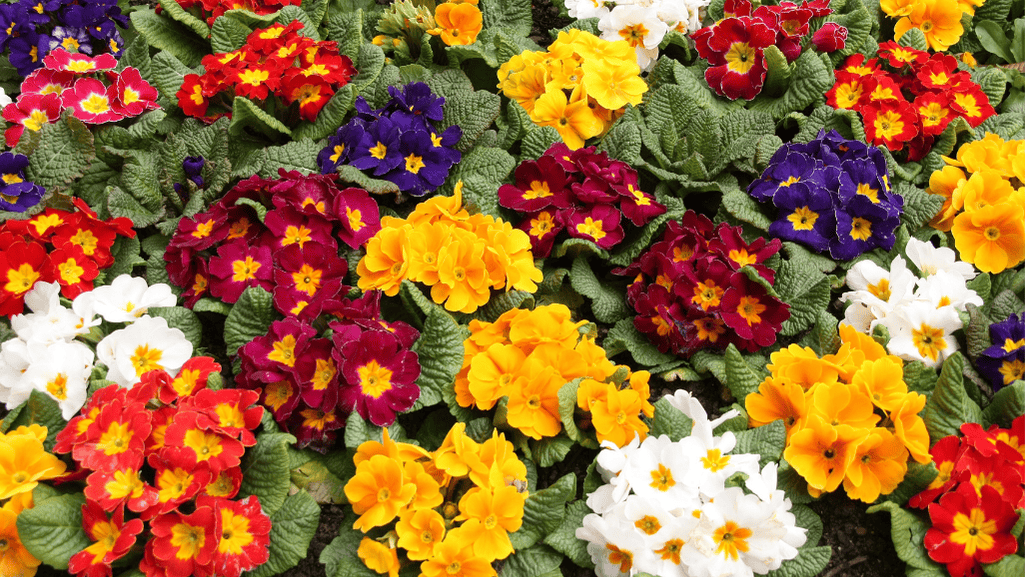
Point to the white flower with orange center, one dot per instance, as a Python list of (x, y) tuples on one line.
[(128, 298), (61, 371), (930, 259), (639, 26), (877, 292), (922, 332), (947, 289), (147, 344)]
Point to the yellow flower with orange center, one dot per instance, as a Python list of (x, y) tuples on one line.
[(458, 24), (378, 491)]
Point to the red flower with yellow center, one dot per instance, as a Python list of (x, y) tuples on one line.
[(972, 104), (116, 439), (244, 536), (185, 544), (113, 539), (379, 376), (112, 489), (891, 123), (733, 47), (186, 439), (968, 529)]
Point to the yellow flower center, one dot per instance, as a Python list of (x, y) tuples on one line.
[(881, 289), (283, 351), (929, 341), (21, 280), (188, 539), (96, 104), (146, 359), (244, 270), (740, 57), (749, 309), (307, 279), (591, 228), (414, 163), (538, 189), (731, 540), (803, 218), (374, 380), (662, 478), (715, 461), (379, 151), (861, 229), (58, 387), (634, 34), (648, 524), (871, 193), (974, 531), (707, 295)]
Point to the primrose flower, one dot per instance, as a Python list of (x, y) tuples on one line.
[(1004, 361), (922, 332), (24, 462), (378, 491), (14, 558), (733, 48), (969, 529), (940, 20), (145, 345), (128, 298), (992, 237), (458, 23)]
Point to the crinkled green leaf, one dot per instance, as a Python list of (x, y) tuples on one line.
[(135, 54), (746, 209), (567, 412), (346, 28), (564, 539), (168, 75), (949, 406), (369, 64), (705, 361), (247, 114), (811, 79), (538, 140), (512, 14), (173, 9), (440, 349), (607, 301), (126, 256), (824, 337), (810, 561), (359, 431), (502, 302), (550, 450), (806, 290), (995, 10), (992, 81), (450, 82), (288, 14), (914, 38), (482, 171), (536, 561), (741, 378), (249, 318), (856, 19), (339, 557), (623, 142), (543, 512), (40, 409), (630, 250), (168, 35), (1008, 403), (353, 175), (293, 526), (1006, 303), (473, 112), (778, 71), (182, 319), (919, 206), (670, 421), (228, 35), (61, 152), (766, 441), (624, 336), (265, 470), (211, 305), (298, 155), (52, 530), (1009, 566), (908, 532)]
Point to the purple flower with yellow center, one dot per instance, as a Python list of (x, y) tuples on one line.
[(238, 266), (1004, 361), (423, 167), (359, 214), (414, 103), (599, 224), (341, 145), (16, 193), (805, 216), (378, 376), (754, 316), (862, 226), (378, 148), (281, 348), (318, 375), (27, 52), (291, 227), (786, 168), (306, 278), (71, 39), (859, 177)]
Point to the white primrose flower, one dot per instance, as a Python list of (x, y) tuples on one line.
[(610, 463), (128, 298), (946, 288), (877, 292), (145, 345), (922, 332), (639, 26), (764, 485), (930, 259), (50, 321), (4, 99), (614, 546), (658, 472), (583, 9), (61, 370), (664, 534), (14, 362)]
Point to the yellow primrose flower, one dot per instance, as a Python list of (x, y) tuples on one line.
[(15, 560), (378, 557), (939, 20), (24, 462), (571, 117), (378, 491), (490, 515), (458, 23)]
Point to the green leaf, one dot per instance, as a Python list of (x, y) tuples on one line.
[(288, 14), (346, 28), (992, 38), (824, 337), (917, 478), (949, 406), (670, 421), (538, 140), (1009, 566), (39, 409), (473, 112), (482, 171), (778, 71), (1018, 43), (61, 152), (741, 378), (228, 35), (746, 209), (536, 561), (624, 336), (249, 318), (993, 81), (806, 289), (174, 10), (1007, 403), (292, 528), (908, 532), (914, 38), (339, 557), (513, 14), (355, 176), (265, 470), (811, 79), (607, 303), (919, 206), (182, 319), (246, 114), (126, 257), (767, 441), (543, 512), (623, 142), (358, 431), (564, 539), (329, 118), (52, 530), (211, 305), (298, 155), (440, 349), (170, 36), (550, 450), (168, 75), (810, 561)]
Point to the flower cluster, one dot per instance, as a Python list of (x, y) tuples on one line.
[(69, 247), (85, 86), (16, 193), (580, 86), (982, 207), (24, 462), (311, 384), (529, 355), (849, 416), (735, 46), (939, 20), (31, 29), (666, 510), (459, 255), (399, 142), (972, 503), (168, 449), (290, 251), (211, 10), (920, 313), (908, 102), (832, 194), (583, 192), (47, 357), (453, 508), (643, 24), (1004, 361), (275, 63), (690, 290)]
